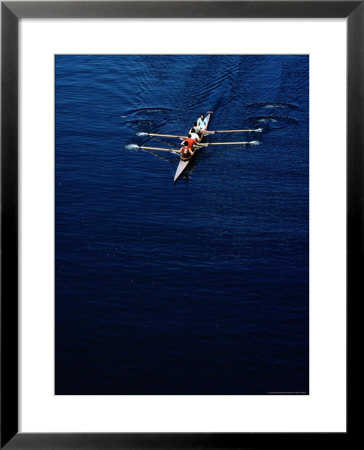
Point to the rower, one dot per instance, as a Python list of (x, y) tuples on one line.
[(187, 149), (186, 153), (190, 142), (196, 128), (202, 122), (194, 135)]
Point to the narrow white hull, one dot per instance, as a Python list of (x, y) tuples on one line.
[(183, 164), (181, 167)]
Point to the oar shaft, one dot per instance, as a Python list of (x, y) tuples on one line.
[(232, 131), (157, 148), (167, 135), (225, 143)]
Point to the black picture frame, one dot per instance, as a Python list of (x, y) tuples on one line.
[(11, 12)]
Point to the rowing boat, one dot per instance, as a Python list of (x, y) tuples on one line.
[(183, 164)]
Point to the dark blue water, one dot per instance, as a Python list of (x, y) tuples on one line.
[(198, 287)]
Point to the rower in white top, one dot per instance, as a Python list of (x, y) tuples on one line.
[(195, 134), (202, 122)]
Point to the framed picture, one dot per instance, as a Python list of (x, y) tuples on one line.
[(178, 217)]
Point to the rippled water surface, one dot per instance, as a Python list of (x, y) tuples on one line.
[(198, 287)]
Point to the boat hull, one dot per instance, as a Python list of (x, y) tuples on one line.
[(183, 164)]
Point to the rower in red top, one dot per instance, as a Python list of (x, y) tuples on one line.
[(188, 148), (190, 142), (186, 153)]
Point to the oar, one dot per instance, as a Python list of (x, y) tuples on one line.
[(258, 130), (228, 143), (167, 135), (158, 148), (156, 154)]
